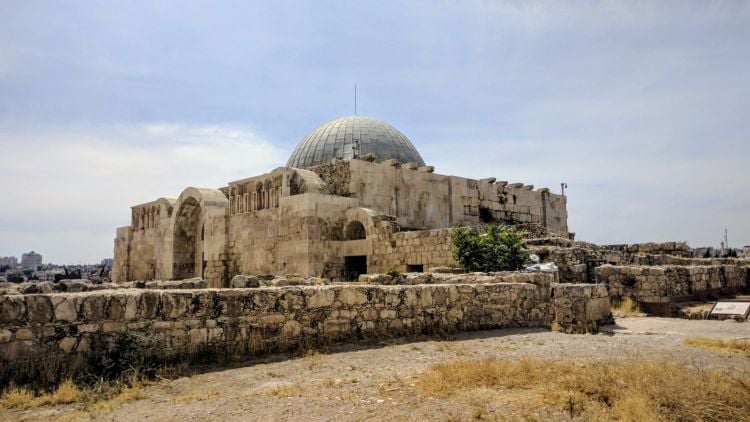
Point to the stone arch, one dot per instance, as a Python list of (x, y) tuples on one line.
[(189, 229), (363, 216), (259, 195), (356, 250), (165, 206), (355, 230), (188, 246)]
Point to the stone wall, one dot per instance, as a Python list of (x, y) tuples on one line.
[(422, 199), (175, 322), (580, 308), (295, 221), (664, 284), (404, 251), (664, 248)]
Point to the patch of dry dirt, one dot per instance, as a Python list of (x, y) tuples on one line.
[(367, 382)]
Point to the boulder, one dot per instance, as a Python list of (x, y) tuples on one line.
[(243, 281), (43, 287), (276, 282), (418, 278), (446, 270), (75, 285), (28, 288), (48, 287)]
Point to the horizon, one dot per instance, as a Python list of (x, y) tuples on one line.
[(640, 108)]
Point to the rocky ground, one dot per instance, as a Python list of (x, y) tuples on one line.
[(377, 381)]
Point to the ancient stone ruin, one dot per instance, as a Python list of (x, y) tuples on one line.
[(355, 198), (351, 240)]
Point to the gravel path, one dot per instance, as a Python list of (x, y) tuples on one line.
[(365, 382)]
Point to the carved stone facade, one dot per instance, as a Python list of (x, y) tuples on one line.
[(336, 220)]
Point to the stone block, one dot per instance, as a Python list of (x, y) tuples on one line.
[(350, 296), (320, 298), (114, 327), (291, 329), (39, 309), (67, 344), (12, 308), (5, 335)]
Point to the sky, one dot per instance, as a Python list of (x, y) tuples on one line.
[(642, 108)]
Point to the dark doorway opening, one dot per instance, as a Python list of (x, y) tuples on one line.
[(415, 268), (354, 266)]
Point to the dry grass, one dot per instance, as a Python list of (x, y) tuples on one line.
[(21, 398), (313, 359), (286, 390), (66, 393), (733, 345), (699, 311), (116, 399), (97, 399), (622, 390), (18, 398), (626, 308)]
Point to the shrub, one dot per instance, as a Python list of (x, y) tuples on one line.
[(498, 249)]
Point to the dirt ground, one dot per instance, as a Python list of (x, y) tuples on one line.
[(376, 381)]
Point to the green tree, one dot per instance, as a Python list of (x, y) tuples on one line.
[(499, 248)]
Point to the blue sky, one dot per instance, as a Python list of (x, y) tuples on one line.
[(641, 107)]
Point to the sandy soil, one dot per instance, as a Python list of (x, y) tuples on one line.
[(376, 381)]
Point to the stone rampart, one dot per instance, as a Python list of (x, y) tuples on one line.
[(665, 284), (56, 327)]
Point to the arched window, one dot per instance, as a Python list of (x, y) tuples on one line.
[(354, 231)]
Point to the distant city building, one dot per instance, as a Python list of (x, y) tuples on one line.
[(48, 275), (31, 260), (746, 251), (107, 262), (8, 261)]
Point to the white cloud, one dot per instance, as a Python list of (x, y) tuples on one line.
[(67, 190)]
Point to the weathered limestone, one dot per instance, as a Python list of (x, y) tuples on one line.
[(581, 308), (173, 321), (656, 287), (295, 221)]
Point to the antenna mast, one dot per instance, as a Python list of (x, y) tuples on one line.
[(355, 99)]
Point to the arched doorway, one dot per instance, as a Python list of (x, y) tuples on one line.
[(355, 231), (188, 240), (354, 265)]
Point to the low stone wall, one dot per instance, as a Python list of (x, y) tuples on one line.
[(664, 284), (665, 248), (542, 279), (649, 259), (40, 328), (581, 308)]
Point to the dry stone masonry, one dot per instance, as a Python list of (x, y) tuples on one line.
[(333, 220), (178, 322)]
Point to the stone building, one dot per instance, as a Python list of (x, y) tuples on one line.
[(31, 260), (354, 197), (8, 261)]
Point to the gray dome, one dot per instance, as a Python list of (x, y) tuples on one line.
[(353, 137)]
